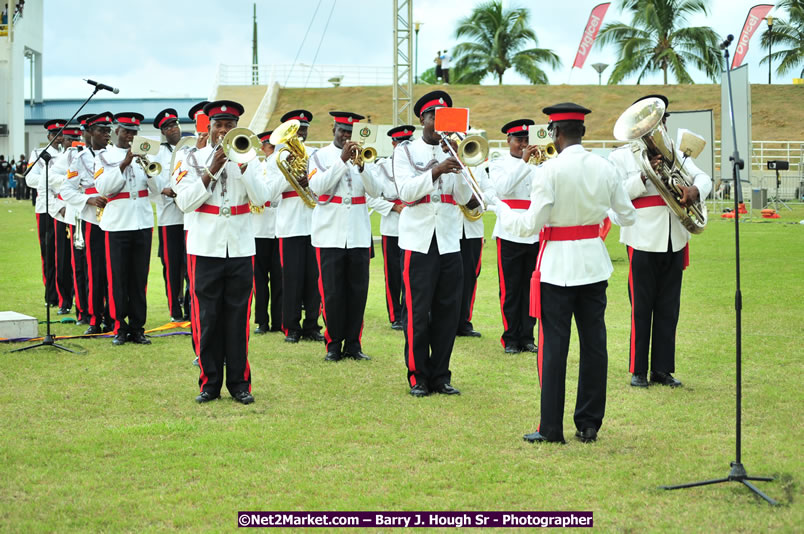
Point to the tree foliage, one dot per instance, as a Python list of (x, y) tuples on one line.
[(788, 34)]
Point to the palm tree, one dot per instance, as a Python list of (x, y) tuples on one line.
[(659, 38), (788, 33), (498, 38)]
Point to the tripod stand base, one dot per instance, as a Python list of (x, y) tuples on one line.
[(737, 474), (48, 341)]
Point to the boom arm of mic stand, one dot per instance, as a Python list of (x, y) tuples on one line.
[(31, 166)]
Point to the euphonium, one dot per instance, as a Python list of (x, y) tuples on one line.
[(294, 166), (543, 154), (641, 124)]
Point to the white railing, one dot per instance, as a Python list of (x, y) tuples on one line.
[(303, 75)]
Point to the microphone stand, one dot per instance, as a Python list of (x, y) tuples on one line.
[(738, 472), (49, 340)]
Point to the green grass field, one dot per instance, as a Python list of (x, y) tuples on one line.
[(112, 440)]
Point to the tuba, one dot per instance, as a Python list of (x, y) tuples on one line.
[(472, 151), (543, 154), (294, 167), (641, 124)]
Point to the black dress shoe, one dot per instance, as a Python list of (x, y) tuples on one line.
[(92, 330), (333, 356), (82, 321), (356, 355), (419, 391), (206, 396), (664, 379), (175, 319), (469, 333), (535, 437), (63, 311), (314, 336), (292, 337), (119, 339), (275, 329), (446, 389), (530, 347), (243, 397), (396, 325), (512, 349), (106, 328), (587, 435), (639, 380), (139, 338), (261, 329)]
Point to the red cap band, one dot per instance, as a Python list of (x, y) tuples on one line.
[(166, 118), (436, 102), (54, 126), (572, 116), (72, 131), (105, 119), (129, 120), (404, 133), (301, 119), (515, 129), (346, 120), (228, 110)]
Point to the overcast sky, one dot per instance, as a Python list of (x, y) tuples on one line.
[(155, 48)]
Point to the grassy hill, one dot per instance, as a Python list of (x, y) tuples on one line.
[(778, 113)]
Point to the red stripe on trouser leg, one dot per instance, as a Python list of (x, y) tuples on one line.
[(389, 301), (195, 324), (321, 292), (78, 304), (247, 372), (633, 301), (90, 278), (110, 286), (39, 233), (167, 270), (501, 277), (477, 273), (56, 262), (282, 266), (540, 357), (409, 308)]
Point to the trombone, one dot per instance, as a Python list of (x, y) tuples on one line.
[(472, 151)]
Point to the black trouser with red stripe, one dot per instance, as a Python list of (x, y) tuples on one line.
[(392, 267), (128, 256), (221, 290), (432, 285), (64, 265), (79, 271), (515, 265), (299, 285), (588, 304), (97, 290), (268, 283), (343, 283), (471, 255), (654, 289), (171, 250), (47, 249)]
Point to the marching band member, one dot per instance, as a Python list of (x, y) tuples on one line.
[(79, 191), (429, 236), (299, 267), (658, 254), (170, 219), (341, 234), (128, 221), (267, 265), (220, 249), (570, 196), (389, 207), (516, 256), (44, 222)]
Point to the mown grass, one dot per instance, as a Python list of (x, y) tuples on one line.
[(111, 439)]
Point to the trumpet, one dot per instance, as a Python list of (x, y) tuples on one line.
[(240, 145), (472, 151), (151, 168), (543, 154), (364, 154)]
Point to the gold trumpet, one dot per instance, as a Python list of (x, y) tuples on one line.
[(543, 154), (364, 154), (151, 168)]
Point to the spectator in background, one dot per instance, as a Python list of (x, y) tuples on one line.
[(12, 182), (22, 185), (5, 168), (446, 60), (437, 62)]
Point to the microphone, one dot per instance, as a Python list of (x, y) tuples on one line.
[(725, 44), (103, 87)]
